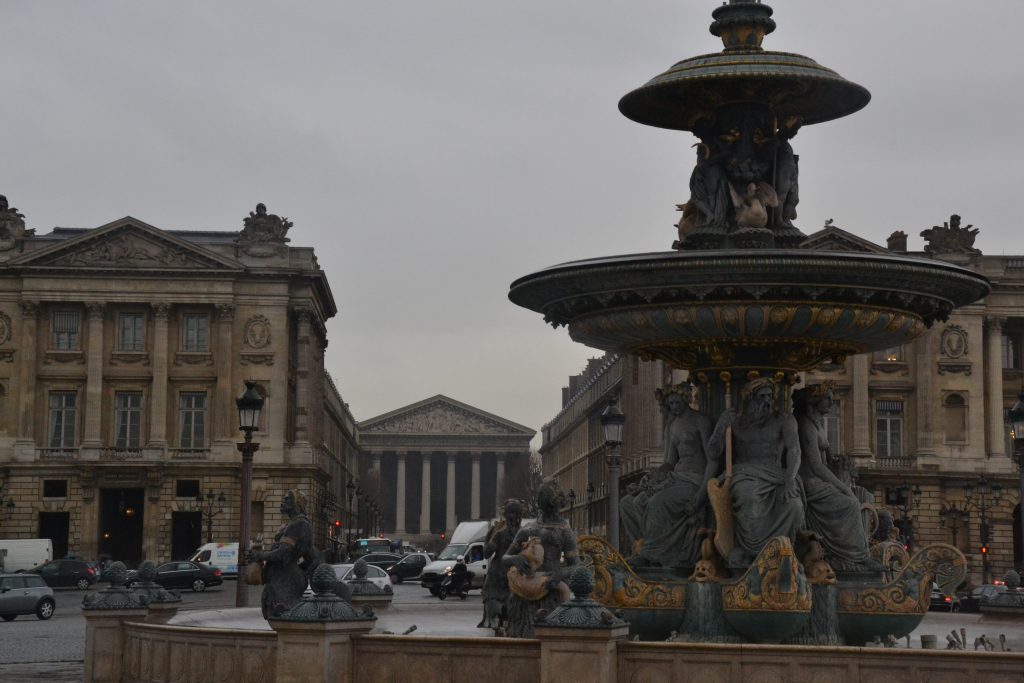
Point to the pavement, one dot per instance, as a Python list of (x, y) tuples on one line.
[(52, 651)]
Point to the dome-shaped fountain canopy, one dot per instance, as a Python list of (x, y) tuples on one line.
[(791, 85), (781, 308)]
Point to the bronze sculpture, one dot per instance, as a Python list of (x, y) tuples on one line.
[(496, 590), (291, 559)]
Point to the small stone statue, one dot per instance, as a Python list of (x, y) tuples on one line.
[(264, 233), (496, 590), (950, 238), (558, 542), (291, 559), (12, 226)]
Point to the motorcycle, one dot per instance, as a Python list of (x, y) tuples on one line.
[(448, 586)]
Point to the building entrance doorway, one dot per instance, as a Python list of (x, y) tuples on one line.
[(121, 524), (55, 526), (186, 534)]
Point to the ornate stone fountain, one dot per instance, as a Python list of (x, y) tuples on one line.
[(740, 305)]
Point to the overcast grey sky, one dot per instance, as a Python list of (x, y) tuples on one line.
[(432, 152)]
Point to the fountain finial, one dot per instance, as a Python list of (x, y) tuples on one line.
[(742, 24)]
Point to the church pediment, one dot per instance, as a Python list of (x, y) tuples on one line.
[(126, 244), (442, 416), (834, 238)]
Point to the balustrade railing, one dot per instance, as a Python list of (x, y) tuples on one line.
[(121, 454), (57, 453), (189, 453)]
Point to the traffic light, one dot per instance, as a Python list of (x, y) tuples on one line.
[(442, 535), (984, 549), (337, 523)]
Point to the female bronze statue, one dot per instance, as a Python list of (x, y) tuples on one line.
[(290, 560), (496, 582)]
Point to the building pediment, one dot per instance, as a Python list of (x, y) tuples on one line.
[(834, 238), (126, 244), (442, 416)]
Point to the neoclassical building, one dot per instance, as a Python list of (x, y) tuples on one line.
[(918, 421), (437, 462), (122, 349)]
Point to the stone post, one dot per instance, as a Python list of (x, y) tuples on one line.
[(994, 386), (106, 612), (400, 496), (158, 393), (580, 636), (425, 494), (314, 638), (449, 495), (93, 439)]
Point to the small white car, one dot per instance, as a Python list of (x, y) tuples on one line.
[(377, 575)]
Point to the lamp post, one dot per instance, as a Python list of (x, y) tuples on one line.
[(590, 500), (953, 517), (8, 507), (350, 488), (612, 421), (206, 509), (983, 496), (905, 499), (1017, 424), (250, 403), (572, 504)]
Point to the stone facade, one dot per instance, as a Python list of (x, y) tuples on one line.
[(122, 349), (467, 452)]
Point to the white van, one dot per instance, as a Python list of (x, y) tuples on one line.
[(468, 541), (20, 554), (222, 556)]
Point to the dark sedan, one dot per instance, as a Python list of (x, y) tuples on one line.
[(182, 574), (382, 560), (66, 573)]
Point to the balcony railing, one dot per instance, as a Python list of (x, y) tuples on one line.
[(902, 463), (121, 454), (189, 453), (57, 453)]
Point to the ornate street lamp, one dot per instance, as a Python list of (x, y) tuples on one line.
[(1017, 425), (954, 518), (8, 507), (983, 496), (249, 404), (612, 421), (572, 504), (905, 499), (206, 506), (350, 488), (590, 500)]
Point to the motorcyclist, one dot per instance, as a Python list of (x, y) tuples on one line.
[(460, 576)]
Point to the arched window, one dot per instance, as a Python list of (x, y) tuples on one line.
[(954, 418)]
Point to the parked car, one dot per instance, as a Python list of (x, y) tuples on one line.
[(409, 567), (382, 560), (942, 603), (25, 594), (66, 573), (182, 574), (375, 574)]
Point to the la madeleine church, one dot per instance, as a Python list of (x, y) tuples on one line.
[(122, 349)]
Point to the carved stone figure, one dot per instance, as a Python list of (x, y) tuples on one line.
[(678, 508), (787, 174), (950, 238), (261, 226), (833, 509), (766, 493), (12, 226), (558, 542), (496, 591), (290, 560)]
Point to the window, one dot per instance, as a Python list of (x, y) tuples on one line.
[(889, 428), (65, 331), (891, 355), (187, 488), (62, 419), (954, 417), (130, 332), (832, 422), (196, 329), (55, 488), (1009, 352), (127, 418), (192, 412)]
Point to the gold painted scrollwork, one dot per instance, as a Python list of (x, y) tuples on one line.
[(630, 591), (910, 592), (775, 581)]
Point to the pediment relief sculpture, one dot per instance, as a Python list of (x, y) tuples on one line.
[(120, 250), (440, 418)]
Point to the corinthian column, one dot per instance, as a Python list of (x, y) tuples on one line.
[(449, 495), (27, 377), (425, 495), (94, 383), (994, 385), (475, 488), (158, 393), (861, 407), (400, 496), (303, 341), (925, 399), (225, 427)]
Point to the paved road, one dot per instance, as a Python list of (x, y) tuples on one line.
[(52, 651)]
